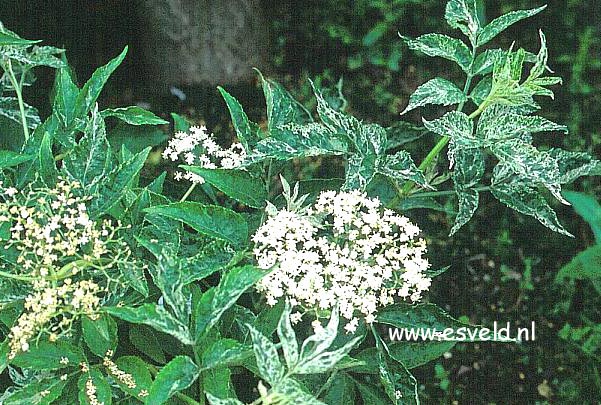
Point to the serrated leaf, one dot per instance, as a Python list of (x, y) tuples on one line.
[(268, 360), (437, 91), (100, 334), (89, 162), (443, 46), (133, 115), (401, 166), (326, 360), (288, 338), (468, 204), (9, 159), (214, 221), (573, 165), (42, 392), (399, 384), (12, 39), (175, 376), (138, 369), (48, 170), (586, 265), (233, 284), (88, 95), (9, 108), (102, 393), (213, 400), (49, 356), (295, 393), (65, 94), (457, 126), (499, 24), (528, 201), (156, 317), (282, 108), (237, 184), (462, 14), (225, 353), (246, 130)]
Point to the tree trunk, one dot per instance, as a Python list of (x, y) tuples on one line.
[(190, 42)]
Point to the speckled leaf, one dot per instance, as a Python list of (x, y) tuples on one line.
[(444, 46), (288, 338), (224, 353), (499, 24), (360, 171), (268, 360), (462, 14), (175, 376), (468, 204), (155, 316), (528, 201), (400, 166), (457, 126), (573, 165), (42, 392), (133, 115), (295, 393), (213, 400), (9, 108), (437, 91)]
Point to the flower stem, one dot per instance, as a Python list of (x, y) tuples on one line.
[(188, 192), (18, 90)]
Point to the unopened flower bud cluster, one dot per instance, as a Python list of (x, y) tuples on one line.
[(198, 147), (343, 249)]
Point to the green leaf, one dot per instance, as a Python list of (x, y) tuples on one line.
[(9, 108), (401, 133), (457, 126), (138, 369), (49, 356), (42, 392), (268, 360), (295, 393), (118, 182), (341, 391), (527, 200), (443, 46), (237, 184), (168, 275), (89, 162), (86, 99), (48, 170), (145, 339), (246, 130), (233, 284), (155, 316), (468, 204), (177, 375), (282, 108), (213, 400), (360, 171), (410, 354), (102, 394), (288, 338), (588, 208), (134, 276), (573, 165), (133, 115), (225, 353), (371, 394), (499, 24), (399, 384), (462, 14), (585, 265), (65, 95), (9, 159), (214, 221), (436, 91), (401, 166), (11, 39), (100, 334)]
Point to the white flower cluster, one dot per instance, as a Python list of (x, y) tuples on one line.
[(56, 306), (345, 249), (91, 393), (67, 259), (49, 227), (198, 147)]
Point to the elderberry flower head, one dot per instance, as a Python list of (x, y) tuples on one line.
[(198, 147), (346, 249)]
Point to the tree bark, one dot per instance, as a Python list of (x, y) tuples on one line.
[(191, 42)]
